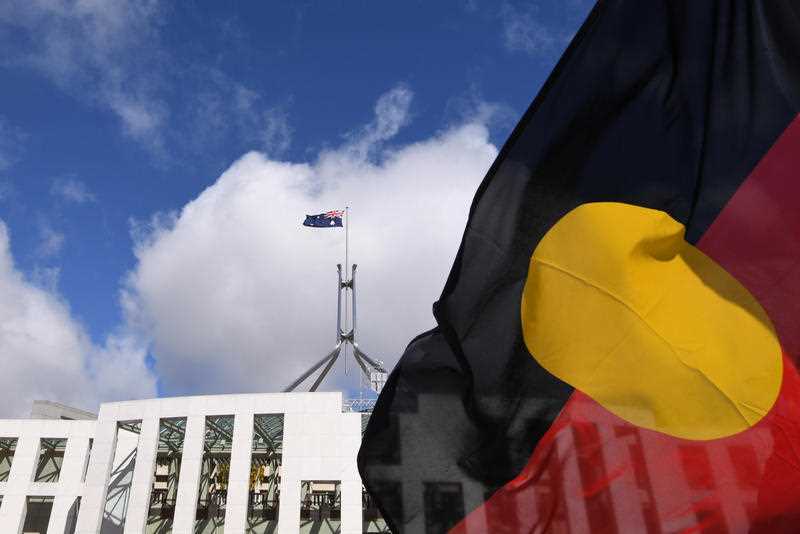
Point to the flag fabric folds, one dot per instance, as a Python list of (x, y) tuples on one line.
[(617, 343), (329, 219)]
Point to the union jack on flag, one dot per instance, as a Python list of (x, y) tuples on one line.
[(329, 219)]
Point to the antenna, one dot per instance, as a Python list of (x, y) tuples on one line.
[(372, 370)]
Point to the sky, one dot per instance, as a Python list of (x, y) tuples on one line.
[(157, 160)]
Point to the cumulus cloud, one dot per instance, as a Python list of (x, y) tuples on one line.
[(236, 295), (47, 355), (72, 190), (230, 293)]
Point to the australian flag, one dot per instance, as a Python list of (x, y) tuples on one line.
[(330, 219)]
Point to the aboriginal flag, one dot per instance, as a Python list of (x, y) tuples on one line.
[(618, 340)]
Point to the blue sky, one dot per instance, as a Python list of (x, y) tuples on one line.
[(116, 115)]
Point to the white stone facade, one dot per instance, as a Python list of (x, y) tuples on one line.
[(320, 442)]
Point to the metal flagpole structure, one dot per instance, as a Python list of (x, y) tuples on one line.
[(346, 269), (372, 370)]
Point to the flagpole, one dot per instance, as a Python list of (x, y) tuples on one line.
[(347, 275)]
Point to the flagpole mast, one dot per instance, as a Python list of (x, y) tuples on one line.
[(373, 372), (346, 273)]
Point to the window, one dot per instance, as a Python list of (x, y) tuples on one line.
[(119, 483), (37, 514), (265, 474), (320, 506), (171, 434), (213, 491), (7, 448), (88, 458), (51, 458), (72, 516)]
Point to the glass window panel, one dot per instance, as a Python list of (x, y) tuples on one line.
[(320, 506), (51, 458), (88, 458), (7, 448), (72, 516), (171, 434), (37, 515), (213, 491), (265, 474), (119, 483)]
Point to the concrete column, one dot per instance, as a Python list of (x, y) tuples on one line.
[(100, 464), (239, 476), (289, 507), (58, 516), (294, 429), (12, 512), (69, 482), (189, 476), (21, 476), (352, 520), (143, 471), (25, 457)]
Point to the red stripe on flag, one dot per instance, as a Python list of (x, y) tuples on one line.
[(757, 236), (594, 472)]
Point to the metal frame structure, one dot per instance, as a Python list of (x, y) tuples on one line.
[(367, 365)]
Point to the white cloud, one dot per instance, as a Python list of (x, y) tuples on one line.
[(471, 105), (231, 293), (268, 128), (112, 54), (72, 190), (391, 114), (276, 133), (47, 355), (101, 51), (237, 296), (539, 32), (140, 118), (46, 278), (523, 31), (51, 241)]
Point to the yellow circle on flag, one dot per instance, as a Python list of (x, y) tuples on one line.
[(621, 307)]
